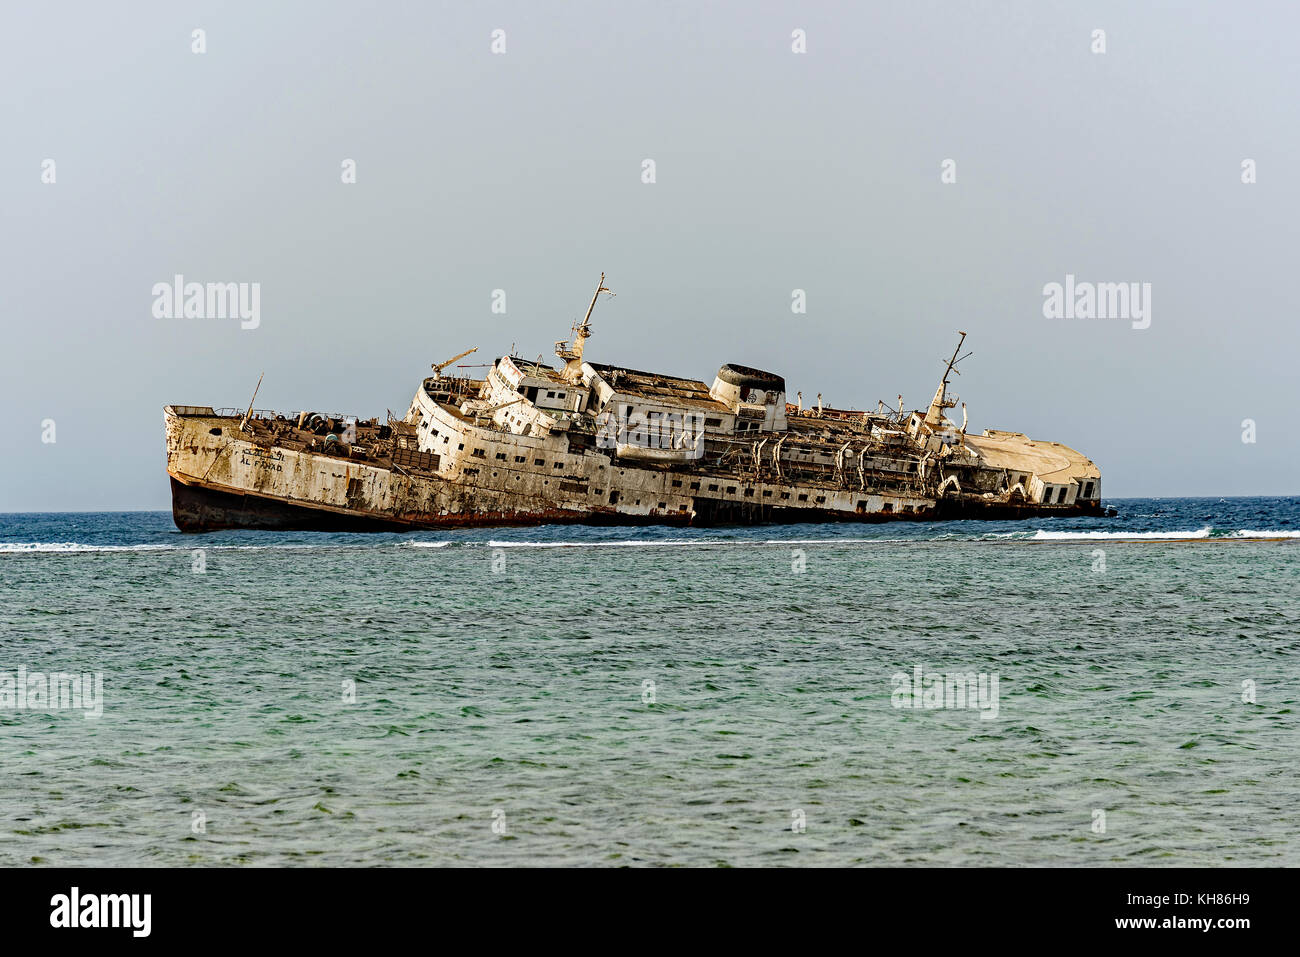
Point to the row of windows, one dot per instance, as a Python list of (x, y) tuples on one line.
[(749, 492), (731, 490), (1062, 491), (519, 459)]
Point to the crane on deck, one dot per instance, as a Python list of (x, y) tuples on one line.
[(439, 366)]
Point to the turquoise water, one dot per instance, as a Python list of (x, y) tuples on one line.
[(504, 712)]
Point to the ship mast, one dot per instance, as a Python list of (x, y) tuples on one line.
[(940, 402), (581, 333)]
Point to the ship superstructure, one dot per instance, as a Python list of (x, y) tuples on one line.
[(532, 443)]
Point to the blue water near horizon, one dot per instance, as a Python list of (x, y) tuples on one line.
[(1192, 518), (658, 696)]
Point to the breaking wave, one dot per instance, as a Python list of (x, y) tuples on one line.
[(1199, 534), (33, 548), (25, 547), (1043, 535), (148, 533)]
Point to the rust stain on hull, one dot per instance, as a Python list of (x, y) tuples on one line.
[(199, 509)]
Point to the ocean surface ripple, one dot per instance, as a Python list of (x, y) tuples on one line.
[(581, 696)]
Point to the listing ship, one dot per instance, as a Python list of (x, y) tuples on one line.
[(585, 442)]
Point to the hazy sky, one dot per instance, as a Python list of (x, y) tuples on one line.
[(774, 171)]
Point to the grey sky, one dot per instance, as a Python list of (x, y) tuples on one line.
[(775, 172)]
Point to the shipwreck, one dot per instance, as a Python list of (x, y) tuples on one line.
[(532, 443)]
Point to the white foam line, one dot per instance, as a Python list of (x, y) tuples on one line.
[(1043, 535), (25, 547), (710, 542), (621, 544), (28, 548)]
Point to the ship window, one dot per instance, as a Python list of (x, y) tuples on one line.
[(713, 488), (1087, 490), (785, 494), (479, 453), (712, 423), (695, 486), (214, 431), (519, 458), (821, 499), (501, 456), (767, 493), (559, 465), (1061, 496), (749, 491), (887, 507), (677, 483), (550, 395), (460, 447), (731, 490), (663, 504), (803, 498), (908, 508), (470, 471), (597, 491)]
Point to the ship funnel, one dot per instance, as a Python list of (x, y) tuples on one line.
[(753, 390)]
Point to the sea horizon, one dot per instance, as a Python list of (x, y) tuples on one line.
[(565, 695)]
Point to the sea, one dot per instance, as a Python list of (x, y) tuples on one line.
[(1082, 691)]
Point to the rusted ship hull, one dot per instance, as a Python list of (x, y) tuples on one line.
[(198, 509), (530, 444), (222, 478)]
